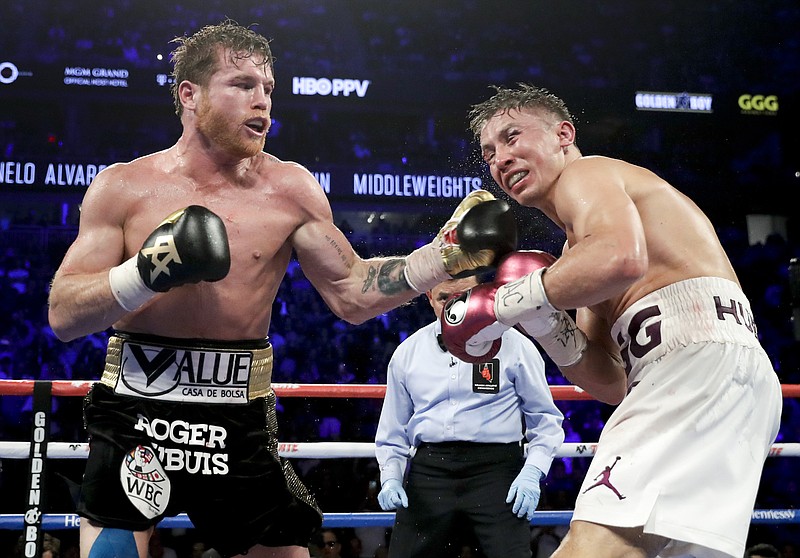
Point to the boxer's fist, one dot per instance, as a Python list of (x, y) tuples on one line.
[(521, 301), (189, 246), (518, 264), (484, 233), (481, 230), (511, 276), (469, 328)]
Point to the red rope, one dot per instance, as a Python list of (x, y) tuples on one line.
[(369, 391)]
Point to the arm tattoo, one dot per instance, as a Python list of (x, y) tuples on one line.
[(339, 251), (389, 277), (371, 273)]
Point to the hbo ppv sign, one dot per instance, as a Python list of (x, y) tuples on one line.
[(758, 103)]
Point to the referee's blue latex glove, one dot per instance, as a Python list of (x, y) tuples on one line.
[(392, 495), (525, 491)]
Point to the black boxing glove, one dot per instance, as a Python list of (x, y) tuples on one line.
[(189, 246), (470, 330), (480, 230), (489, 231)]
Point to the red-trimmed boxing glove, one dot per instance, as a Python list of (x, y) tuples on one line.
[(520, 263), (470, 328), (522, 302)]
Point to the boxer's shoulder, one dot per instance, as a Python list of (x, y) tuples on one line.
[(279, 170), (142, 170), (292, 189)]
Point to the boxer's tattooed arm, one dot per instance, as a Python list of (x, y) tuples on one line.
[(389, 277), (339, 251)]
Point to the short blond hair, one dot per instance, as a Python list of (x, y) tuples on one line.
[(524, 96)]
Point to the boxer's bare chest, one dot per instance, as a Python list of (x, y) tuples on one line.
[(258, 217)]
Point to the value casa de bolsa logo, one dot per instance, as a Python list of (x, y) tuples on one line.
[(174, 374)]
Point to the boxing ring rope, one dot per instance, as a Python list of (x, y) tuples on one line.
[(62, 521), (340, 391), (320, 450), (335, 391), (326, 450)]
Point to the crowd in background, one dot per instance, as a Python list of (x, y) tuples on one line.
[(407, 36), (426, 63), (403, 48), (313, 346)]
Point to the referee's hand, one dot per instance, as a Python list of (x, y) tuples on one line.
[(525, 492), (392, 495)]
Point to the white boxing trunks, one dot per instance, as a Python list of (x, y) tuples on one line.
[(683, 453)]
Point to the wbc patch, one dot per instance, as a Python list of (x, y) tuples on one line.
[(144, 481), (486, 376)]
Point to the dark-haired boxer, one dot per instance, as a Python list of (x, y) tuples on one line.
[(182, 253), (663, 330)]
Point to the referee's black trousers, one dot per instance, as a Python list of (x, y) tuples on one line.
[(458, 486)]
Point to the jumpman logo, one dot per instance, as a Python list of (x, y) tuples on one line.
[(602, 480), (162, 253)]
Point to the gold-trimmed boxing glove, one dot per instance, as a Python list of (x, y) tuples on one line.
[(481, 230)]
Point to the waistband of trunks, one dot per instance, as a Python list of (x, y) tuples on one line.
[(693, 311), (188, 370)]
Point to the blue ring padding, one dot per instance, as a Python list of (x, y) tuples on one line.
[(61, 521)]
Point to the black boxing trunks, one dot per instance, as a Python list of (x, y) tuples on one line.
[(190, 426)]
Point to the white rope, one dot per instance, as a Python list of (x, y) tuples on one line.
[(319, 450)]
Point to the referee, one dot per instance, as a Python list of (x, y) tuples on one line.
[(465, 425)]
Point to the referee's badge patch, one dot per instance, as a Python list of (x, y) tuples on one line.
[(485, 376), (144, 481)]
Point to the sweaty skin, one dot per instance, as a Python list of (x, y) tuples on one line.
[(628, 232), (270, 209)]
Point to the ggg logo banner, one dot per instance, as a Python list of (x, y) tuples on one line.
[(758, 104)]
